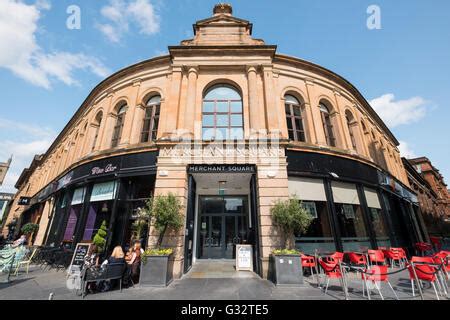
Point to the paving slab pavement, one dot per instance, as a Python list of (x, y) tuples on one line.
[(38, 284)]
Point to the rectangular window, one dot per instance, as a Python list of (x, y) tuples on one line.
[(222, 120), (376, 217), (350, 217), (311, 193), (103, 191)]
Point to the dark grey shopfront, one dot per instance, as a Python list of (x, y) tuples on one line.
[(355, 206), (110, 190)]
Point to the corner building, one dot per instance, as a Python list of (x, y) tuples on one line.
[(229, 125)]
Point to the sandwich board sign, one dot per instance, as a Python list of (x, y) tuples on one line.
[(244, 257), (81, 250)]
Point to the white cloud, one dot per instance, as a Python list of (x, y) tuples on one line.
[(123, 13), (400, 112), (30, 140), (21, 54), (406, 151)]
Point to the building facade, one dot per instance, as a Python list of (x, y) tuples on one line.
[(433, 195), (4, 167), (230, 126)]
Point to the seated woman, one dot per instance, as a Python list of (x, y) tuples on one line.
[(117, 256), (91, 262)]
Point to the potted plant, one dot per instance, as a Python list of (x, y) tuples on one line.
[(157, 263), (100, 237), (29, 230), (291, 217)]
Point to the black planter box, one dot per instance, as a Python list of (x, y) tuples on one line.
[(286, 270), (157, 271)]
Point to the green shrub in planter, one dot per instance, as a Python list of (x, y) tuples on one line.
[(291, 217), (285, 264), (30, 228), (157, 264)]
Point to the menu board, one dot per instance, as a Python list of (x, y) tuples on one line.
[(81, 251), (244, 257)]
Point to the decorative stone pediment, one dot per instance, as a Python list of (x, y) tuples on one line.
[(222, 29)]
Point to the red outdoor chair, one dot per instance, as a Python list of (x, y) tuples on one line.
[(333, 270), (375, 257), (396, 255), (377, 275), (310, 262), (422, 248), (337, 256), (442, 258), (437, 243), (421, 267), (358, 259)]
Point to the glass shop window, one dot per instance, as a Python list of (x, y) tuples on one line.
[(75, 209), (100, 208), (377, 218), (311, 193), (354, 235)]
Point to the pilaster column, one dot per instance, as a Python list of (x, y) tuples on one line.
[(130, 115), (340, 125), (319, 135), (255, 116), (189, 112), (104, 126), (170, 114), (138, 123), (271, 108), (105, 142), (362, 135)]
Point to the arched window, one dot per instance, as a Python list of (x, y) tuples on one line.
[(294, 119), (351, 127), (222, 114), (117, 133), (151, 119), (327, 125), (97, 123)]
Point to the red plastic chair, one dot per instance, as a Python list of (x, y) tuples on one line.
[(421, 267), (358, 259), (443, 258), (377, 274), (333, 270), (437, 242), (375, 257), (337, 256), (310, 262), (422, 248), (396, 255)]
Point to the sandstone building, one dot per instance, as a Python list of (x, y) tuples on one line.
[(229, 125)]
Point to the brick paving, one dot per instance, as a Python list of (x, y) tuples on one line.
[(201, 285)]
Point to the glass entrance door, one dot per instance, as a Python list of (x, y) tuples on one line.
[(223, 224)]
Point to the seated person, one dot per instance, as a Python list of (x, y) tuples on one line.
[(19, 241), (117, 256)]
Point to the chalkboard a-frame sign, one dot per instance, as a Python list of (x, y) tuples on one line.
[(81, 250)]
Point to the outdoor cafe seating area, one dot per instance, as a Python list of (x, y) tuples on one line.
[(14, 259), (427, 269)]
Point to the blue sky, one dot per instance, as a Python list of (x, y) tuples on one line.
[(47, 70)]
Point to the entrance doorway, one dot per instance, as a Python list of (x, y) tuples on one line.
[(223, 223)]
